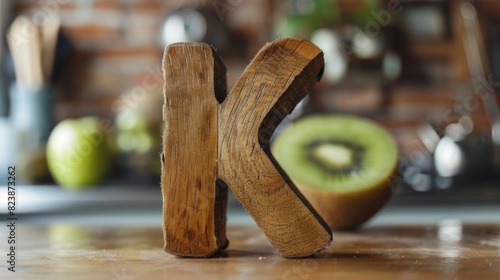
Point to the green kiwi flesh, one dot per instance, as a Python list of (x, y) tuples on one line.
[(336, 153)]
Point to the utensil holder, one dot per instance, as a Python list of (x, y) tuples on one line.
[(31, 122), (31, 114)]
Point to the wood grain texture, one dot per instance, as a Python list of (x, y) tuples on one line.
[(411, 252), (208, 145), (194, 207), (280, 75)]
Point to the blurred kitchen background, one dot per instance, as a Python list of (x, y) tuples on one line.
[(428, 71)]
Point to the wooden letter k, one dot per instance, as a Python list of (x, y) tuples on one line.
[(213, 141)]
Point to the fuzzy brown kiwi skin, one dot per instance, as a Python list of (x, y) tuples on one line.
[(346, 211)]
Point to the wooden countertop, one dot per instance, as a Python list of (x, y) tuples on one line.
[(446, 251)]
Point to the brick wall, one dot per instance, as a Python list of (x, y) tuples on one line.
[(114, 42), (117, 47)]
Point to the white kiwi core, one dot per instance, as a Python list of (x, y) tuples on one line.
[(334, 155)]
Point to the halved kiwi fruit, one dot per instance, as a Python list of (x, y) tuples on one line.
[(342, 164)]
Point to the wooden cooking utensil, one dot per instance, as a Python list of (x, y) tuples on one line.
[(16, 42), (49, 31), (207, 142), (24, 43), (34, 60)]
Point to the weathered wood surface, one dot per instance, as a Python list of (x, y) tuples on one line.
[(194, 217), (425, 251), (207, 142), (281, 74)]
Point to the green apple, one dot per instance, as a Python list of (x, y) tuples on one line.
[(78, 154)]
